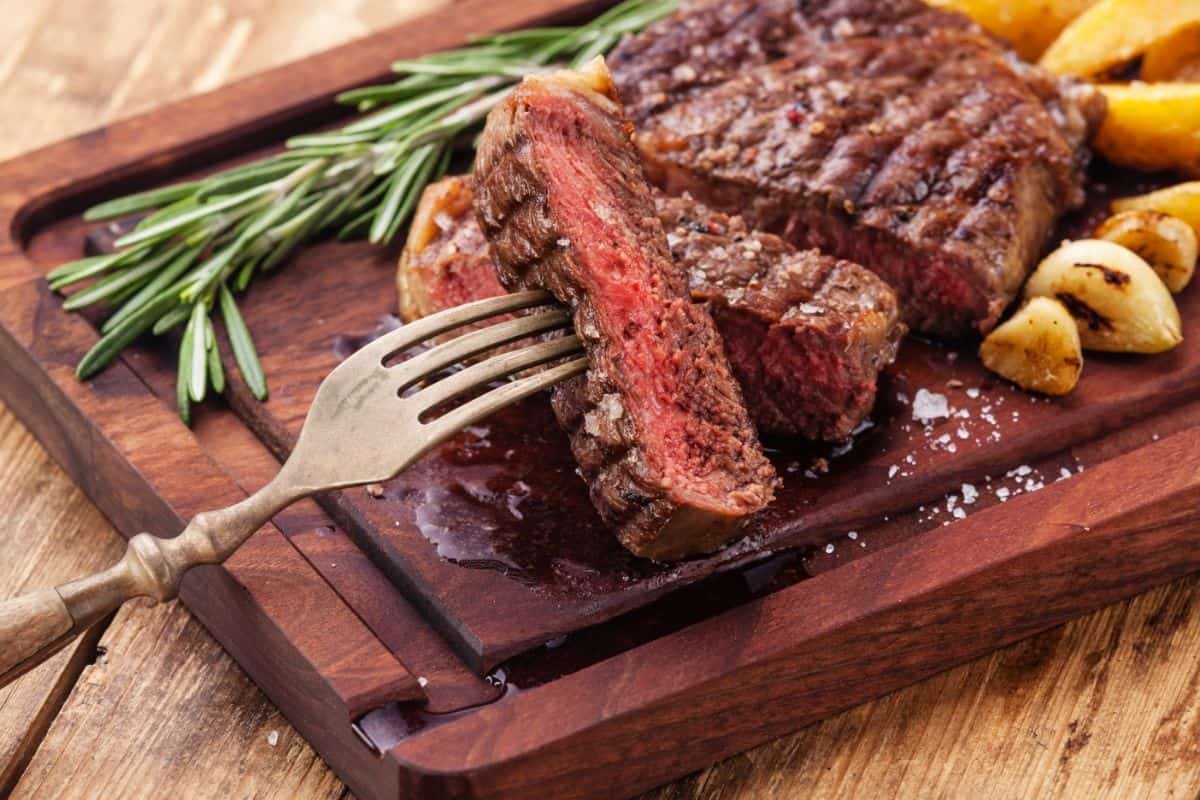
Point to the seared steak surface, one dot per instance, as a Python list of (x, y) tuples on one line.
[(881, 131), (806, 335), (658, 424)]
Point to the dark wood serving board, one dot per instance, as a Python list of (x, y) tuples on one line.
[(469, 629)]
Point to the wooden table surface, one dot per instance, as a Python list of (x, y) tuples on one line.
[(1106, 706)]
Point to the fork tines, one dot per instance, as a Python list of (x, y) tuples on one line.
[(431, 364)]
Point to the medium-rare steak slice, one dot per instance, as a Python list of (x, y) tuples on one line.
[(805, 335), (657, 424), (445, 262), (884, 132)]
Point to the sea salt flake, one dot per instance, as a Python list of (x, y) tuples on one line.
[(973, 393), (564, 242), (952, 448), (273, 738), (422, 681), (1003, 494), (959, 513), (969, 494), (852, 535), (892, 470), (928, 406), (963, 433), (829, 548), (1064, 473)]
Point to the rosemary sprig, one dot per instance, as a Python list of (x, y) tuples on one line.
[(204, 240)]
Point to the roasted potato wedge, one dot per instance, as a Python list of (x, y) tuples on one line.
[(1028, 25), (1181, 200), (1038, 348), (1152, 126), (1175, 58), (1113, 32), (1119, 304), (1166, 243)]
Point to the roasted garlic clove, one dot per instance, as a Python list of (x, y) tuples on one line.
[(1118, 302), (1181, 200), (1166, 243), (1038, 348)]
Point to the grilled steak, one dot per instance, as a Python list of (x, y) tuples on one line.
[(657, 424), (445, 261), (881, 131), (805, 335)]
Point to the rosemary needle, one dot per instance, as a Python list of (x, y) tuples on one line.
[(204, 240)]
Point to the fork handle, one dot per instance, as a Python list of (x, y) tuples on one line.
[(38, 625)]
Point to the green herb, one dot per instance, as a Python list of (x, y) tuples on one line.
[(204, 240)]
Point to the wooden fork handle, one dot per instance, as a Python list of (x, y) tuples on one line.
[(36, 626)]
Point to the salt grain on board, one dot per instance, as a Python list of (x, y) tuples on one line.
[(928, 406)]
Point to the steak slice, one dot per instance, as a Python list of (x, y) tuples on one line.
[(445, 262), (884, 132), (805, 335), (657, 424)]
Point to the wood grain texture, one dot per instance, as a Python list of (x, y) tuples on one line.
[(51, 533), (966, 730), (212, 735)]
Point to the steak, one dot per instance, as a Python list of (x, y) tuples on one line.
[(445, 262), (805, 335), (657, 424), (884, 132)]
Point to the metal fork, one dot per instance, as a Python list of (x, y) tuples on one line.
[(366, 425)]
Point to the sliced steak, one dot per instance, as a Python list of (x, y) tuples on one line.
[(805, 335), (881, 131), (445, 262), (657, 424)]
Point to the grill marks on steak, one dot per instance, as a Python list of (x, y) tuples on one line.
[(805, 335), (657, 425), (887, 133)]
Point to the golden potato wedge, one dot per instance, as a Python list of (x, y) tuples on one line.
[(1166, 243), (1151, 126), (1175, 58), (1181, 200), (1119, 304), (1113, 32), (1028, 25), (1038, 348)]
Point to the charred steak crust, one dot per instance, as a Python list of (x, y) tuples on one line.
[(657, 425), (881, 131), (805, 335)]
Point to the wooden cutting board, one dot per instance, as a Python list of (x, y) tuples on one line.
[(469, 630)]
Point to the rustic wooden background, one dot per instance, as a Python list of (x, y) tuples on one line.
[(1106, 706)]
